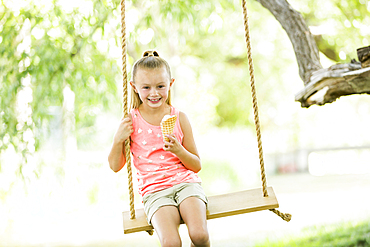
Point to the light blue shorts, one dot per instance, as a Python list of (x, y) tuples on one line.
[(172, 197)]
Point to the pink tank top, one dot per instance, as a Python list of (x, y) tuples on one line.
[(156, 169)]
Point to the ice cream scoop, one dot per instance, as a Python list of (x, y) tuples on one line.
[(167, 125)]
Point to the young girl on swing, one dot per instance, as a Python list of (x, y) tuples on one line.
[(166, 170)]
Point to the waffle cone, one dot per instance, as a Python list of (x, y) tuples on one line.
[(167, 126)]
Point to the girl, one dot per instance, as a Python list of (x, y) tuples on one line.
[(166, 170)]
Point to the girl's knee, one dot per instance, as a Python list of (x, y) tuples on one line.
[(171, 241), (199, 237)]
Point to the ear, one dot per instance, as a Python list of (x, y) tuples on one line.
[(172, 81), (133, 86)]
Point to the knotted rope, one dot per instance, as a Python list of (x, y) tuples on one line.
[(125, 111), (125, 108), (285, 217)]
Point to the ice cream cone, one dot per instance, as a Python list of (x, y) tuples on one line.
[(167, 126)]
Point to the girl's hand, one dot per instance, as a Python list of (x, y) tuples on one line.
[(172, 145), (124, 130)]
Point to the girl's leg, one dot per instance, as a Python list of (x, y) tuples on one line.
[(166, 222), (193, 212)]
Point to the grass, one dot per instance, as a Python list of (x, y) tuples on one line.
[(343, 235)]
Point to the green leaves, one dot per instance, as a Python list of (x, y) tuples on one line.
[(340, 26), (52, 49), (56, 45)]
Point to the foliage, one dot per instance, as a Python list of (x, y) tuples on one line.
[(45, 49), (338, 26), (48, 46), (345, 235)]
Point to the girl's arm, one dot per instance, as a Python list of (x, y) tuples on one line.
[(187, 152), (116, 156)]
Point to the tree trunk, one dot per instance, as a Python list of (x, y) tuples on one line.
[(321, 85), (304, 45)]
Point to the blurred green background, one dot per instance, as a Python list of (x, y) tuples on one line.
[(61, 100)]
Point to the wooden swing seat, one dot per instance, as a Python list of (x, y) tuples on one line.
[(219, 206)]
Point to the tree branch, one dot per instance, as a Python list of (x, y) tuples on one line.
[(321, 85), (328, 84), (304, 45)]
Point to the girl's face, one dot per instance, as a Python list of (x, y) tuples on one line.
[(152, 85)]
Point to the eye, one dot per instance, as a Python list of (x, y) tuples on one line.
[(161, 86), (145, 87)]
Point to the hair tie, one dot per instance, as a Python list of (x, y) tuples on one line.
[(150, 53)]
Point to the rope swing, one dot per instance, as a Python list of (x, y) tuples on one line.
[(285, 217), (219, 206), (125, 107)]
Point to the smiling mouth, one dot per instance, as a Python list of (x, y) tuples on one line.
[(154, 100)]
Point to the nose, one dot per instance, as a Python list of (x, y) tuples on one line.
[(153, 91)]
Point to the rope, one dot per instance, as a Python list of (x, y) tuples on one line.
[(125, 109), (285, 217), (254, 97), (125, 113)]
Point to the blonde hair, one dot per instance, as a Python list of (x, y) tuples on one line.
[(149, 60)]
